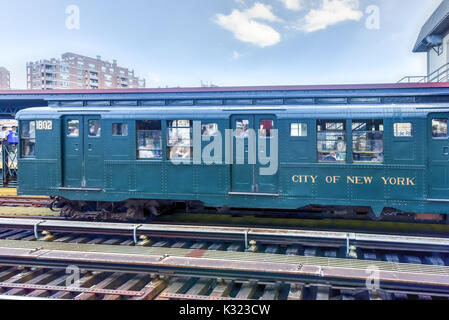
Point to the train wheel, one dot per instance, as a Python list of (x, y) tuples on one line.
[(135, 213)]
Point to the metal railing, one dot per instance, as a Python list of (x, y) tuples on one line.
[(439, 75), (413, 79), (9, 164)]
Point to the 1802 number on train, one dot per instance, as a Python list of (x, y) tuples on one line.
[(44, 125)]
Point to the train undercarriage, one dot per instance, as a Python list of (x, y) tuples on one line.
[(148, 210), (130, 210)]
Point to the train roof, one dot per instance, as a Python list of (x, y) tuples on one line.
[(265, 96), (217, 112), (316, 90), (374, 86)]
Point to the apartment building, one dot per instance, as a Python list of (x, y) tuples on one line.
[(5, 79), (73, 71)]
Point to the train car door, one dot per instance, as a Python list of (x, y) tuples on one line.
[(243, 173), (82, 152), (93, 153), (438, 180), (246, 175), (267, 182), (72, 151)]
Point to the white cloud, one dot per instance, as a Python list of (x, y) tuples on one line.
[(245, 27), (235, 55), (331, 12), (261, 11), (295, 5)]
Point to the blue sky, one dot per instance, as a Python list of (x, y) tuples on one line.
[(224, 42)]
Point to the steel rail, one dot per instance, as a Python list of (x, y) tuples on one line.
[(22, 298), (70, 289), (27, 201), (235, 234)]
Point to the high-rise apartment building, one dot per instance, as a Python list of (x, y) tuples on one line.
[(74, 71), (5, 79)]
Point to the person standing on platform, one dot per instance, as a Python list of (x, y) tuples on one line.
[(3, 134), (13, 137)]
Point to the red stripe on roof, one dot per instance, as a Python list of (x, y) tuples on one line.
[(230, 89)]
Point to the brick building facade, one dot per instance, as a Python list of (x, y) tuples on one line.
[(74, 71), (5, 79)]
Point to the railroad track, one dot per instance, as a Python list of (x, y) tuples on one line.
[(182, 262), (23, 207), (24, 201), (263, 222), (40, 283), (243, 235)]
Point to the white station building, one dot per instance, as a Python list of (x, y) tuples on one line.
[(434, 40)]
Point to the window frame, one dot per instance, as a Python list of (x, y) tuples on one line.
[(344, 131), (447, 128), (169, 147), (375, 122), (403, 137), (259, 131), (123, 124), (242, 120), (210, 123), (299, 123), (88, 129), (23, 139), (67, 135), (138, 148)]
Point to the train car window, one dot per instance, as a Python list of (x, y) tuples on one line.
[(179, 144), (266, 128), (73, 128), (367, 141), (403, 130), (331, 140), (298, 130), (27, 139), (242, 129), (149, 139), (439, 128), (94, 128), (119, 130), (209, 129)]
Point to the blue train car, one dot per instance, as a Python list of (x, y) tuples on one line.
[(386, 150)]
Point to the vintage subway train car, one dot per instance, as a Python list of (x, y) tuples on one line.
[(140, 159)]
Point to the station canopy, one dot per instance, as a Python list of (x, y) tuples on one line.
[(436, 26)]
